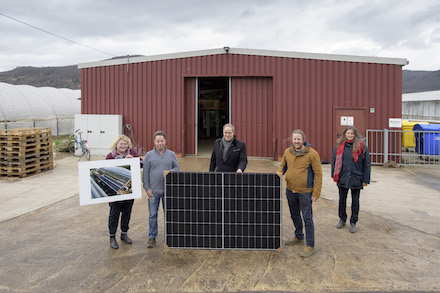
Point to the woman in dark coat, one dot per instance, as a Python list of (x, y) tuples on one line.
[(351, 169), (121, 149)]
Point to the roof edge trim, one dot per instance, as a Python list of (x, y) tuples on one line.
[(241, 51)]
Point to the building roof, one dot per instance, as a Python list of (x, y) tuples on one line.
[(241, 51), (422, 96)]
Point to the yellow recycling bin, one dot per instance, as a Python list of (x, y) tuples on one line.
[(408, 140)]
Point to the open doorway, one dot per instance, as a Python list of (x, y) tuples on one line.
[(212, 111)]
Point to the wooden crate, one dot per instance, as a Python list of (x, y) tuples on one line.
[(25, 151)]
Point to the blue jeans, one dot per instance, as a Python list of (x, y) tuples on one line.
[(301, 203), (153, 207), (355, 193)]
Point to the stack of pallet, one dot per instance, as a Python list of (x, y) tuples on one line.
[(25, 151)]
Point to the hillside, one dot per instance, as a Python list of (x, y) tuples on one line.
[(70, 77), (420, 81), (57, 77)]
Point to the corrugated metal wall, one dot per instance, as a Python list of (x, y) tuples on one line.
[(251, 108), (421, 110), (150, 95)]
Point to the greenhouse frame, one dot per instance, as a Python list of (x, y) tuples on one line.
[(23, 106)]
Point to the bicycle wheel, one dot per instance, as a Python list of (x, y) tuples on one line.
[(86, 150), (72, 147)]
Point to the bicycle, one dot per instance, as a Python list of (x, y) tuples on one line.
[(78, 147)]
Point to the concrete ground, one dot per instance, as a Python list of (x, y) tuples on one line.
[(51, 244)]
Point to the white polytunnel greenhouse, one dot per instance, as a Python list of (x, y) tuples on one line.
[(24, 106)]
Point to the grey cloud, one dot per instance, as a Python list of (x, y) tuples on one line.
[(151, 27), (384, 24)]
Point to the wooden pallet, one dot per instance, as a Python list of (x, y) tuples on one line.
[(25, 134), (20, 162), (25, 151), (26, 131), (24, 172), (25, 144)]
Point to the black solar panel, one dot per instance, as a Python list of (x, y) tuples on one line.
[(223, 210)]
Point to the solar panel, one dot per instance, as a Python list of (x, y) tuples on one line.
[(223, 210)]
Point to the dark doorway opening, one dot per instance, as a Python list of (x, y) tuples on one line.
[(213, 111)]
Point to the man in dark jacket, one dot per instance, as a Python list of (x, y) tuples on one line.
[(229, 154)]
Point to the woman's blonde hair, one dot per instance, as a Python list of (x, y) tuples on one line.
[(123, 137)]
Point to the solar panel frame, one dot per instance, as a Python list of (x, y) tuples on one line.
[(223, 210)]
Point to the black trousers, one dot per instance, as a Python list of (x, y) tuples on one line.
[(355, 193), (117, 208)]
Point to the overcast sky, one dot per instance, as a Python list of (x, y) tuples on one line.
[(395, 28)]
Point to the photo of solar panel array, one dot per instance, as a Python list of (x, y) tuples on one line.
[(223, 210), (110, 181)]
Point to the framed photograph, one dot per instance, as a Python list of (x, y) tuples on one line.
[(109, 180)]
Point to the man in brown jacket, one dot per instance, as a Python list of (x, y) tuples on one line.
[(303, 173)]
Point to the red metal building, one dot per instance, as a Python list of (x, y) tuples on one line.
[(264, 94)]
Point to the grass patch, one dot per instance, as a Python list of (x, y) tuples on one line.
[(61, 141)]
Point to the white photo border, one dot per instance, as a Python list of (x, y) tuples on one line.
[(85, 193)]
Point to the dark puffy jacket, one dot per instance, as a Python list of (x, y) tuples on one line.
[(353, 174), (236, 158)]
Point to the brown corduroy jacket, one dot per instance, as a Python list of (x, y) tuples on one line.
[(303, 171)]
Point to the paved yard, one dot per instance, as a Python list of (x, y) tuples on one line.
[(51, 244)]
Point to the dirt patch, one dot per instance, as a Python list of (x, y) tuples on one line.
[(61, 155)]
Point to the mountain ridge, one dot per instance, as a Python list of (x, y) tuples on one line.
[(70, 77), (57, 77)]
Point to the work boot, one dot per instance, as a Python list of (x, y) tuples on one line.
[(151, 242), (340, 224), (308, 251), (126, 239), (294, 241), (113, 242), (352, 227)]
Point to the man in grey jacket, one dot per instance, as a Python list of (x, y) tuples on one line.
[(156, 161)]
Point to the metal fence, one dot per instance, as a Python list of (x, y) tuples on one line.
[(404, 147)]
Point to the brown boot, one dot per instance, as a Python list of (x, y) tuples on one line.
[(294, 241), (308, 251)]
